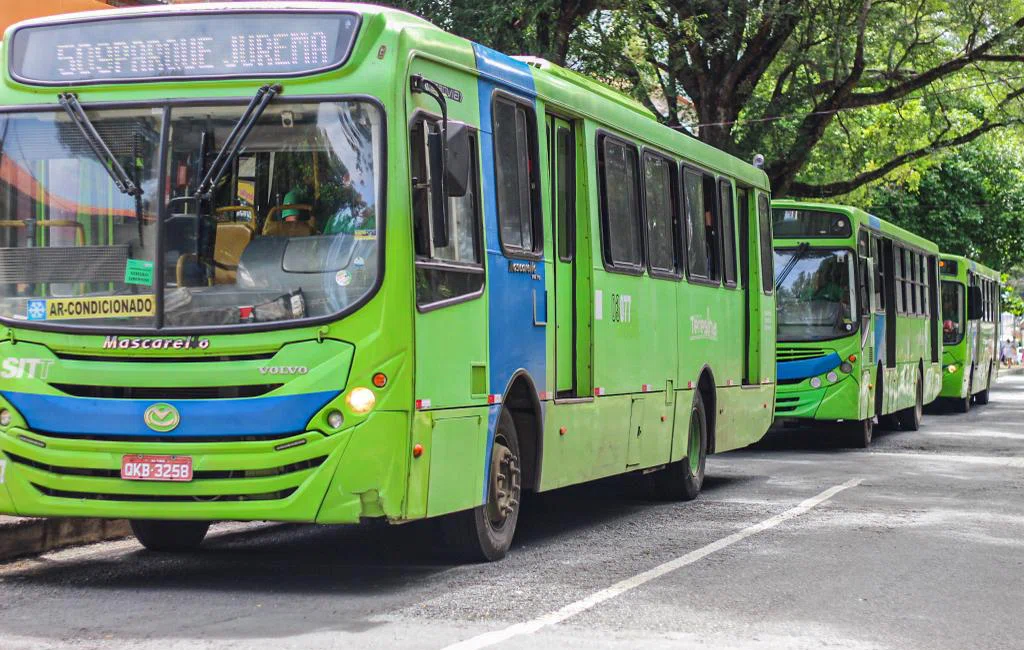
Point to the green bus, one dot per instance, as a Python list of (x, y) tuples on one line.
[(858, 320), (324, 262), (970, 331)]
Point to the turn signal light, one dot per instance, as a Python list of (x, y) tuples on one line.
[(951, 368), (380, 380), (852, 358)]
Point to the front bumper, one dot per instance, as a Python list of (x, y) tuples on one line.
[(302, 477)]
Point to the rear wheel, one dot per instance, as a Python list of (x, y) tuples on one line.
[(169, 536), (682, 480), (485, 532), (910, 418)]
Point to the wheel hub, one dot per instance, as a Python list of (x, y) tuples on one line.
[(505, 484)]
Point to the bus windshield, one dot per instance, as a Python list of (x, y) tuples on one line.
[(289, 231), (815, 300), (952, 312)]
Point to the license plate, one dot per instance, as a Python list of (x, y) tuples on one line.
[(139, 467)]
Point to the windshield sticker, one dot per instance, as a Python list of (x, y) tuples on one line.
[(159, 343), (343, 278), (92, 307), (358, 261), (368, 234), (139, 272)]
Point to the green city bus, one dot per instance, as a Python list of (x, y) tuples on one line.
[(970, 331), (858, 320), (325, 262)]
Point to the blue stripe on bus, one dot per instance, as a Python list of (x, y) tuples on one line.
[(874, 222), (804, 368), (514, 343), (199, 417)]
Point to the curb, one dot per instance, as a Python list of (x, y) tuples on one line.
[(21, 536)]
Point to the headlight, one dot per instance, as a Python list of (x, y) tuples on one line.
[(846, 367), (361, 400), (951, 368), (815, 382), (832, 376), (5, 417)]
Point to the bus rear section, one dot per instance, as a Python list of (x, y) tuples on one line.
[(970, 331), (857, 321)]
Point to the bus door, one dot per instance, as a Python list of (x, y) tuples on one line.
[(572, 344), (748, 281)]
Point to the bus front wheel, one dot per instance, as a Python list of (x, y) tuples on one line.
[(682, 480), (169, 536), (858, 433), (485, 532)]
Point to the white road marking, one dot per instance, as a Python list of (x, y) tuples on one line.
[(488, 639), (1000, 461)]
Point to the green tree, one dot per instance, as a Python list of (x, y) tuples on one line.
[(971, 203)]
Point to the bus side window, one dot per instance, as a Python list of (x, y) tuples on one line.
[(728, 218), (764, 219), (444, 273), (898, 279), (620, 205), (876, 251), (515, 137), (703, 248)]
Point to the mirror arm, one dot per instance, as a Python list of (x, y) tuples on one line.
[(420, 84)]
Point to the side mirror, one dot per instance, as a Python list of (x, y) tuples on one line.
[(974, 303), (460, 157), (438, 200)]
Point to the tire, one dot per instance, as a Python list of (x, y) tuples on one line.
[(981, 398), (910, 418), (484, 533), (857, 434), (682, 480), (963, 404), (169, 536)]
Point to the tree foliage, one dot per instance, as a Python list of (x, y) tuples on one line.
[(971, 203)]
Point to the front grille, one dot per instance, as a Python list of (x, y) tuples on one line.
[(788, 353), (197, 475), (786, 404), (165, 498), (166, 393)]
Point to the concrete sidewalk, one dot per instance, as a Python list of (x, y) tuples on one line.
[(20, 536)]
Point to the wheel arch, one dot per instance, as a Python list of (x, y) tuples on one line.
[(706, 386), (522, 402)]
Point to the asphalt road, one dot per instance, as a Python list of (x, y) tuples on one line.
[(917, 543)]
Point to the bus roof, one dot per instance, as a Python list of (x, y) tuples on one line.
[(862, 218), (972, 265)]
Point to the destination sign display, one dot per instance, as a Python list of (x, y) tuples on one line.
[(182, 46)]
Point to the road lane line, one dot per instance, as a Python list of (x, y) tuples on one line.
[(999, 461), (488, 639)]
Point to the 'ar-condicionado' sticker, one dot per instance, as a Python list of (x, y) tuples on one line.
[(91, 307)]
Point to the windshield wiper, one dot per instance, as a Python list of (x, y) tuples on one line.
[(233, 143), (123, 182), (791, 264)]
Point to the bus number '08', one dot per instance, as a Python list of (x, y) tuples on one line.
[(621, 307)]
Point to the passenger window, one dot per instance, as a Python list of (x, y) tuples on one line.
[(728, 218), (565, 208), (702, 239), (620, 205), (911, 262), (456, 270), (514, 136), (660, 209), (898, 279), (764, 216), (876, 250)]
